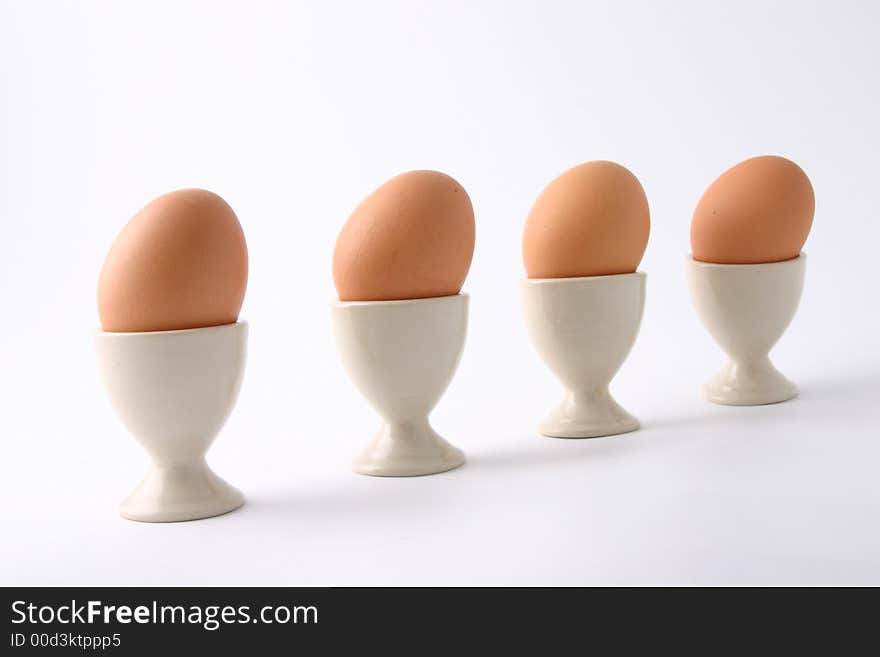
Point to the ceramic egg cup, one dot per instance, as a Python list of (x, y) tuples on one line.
[(174, 391), (747, 308), (584, 329), (402, 355)]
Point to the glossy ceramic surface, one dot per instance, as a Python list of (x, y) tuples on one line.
[(402, 355), (584, 329), (747, 308), (174, 391)]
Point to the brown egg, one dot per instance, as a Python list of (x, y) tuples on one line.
[(412, 238), (181, 262), (761, 210), (593, 220)]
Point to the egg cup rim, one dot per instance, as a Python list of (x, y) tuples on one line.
[(218, 327), (582, 279), (800, 257), (447, 298)]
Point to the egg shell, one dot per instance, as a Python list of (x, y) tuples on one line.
[(593, 220), (181, 262), (761, 210), (412, 238)]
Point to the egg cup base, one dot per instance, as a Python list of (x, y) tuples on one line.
[(180, 493), (410, 450), (593, 415), (752, 384)]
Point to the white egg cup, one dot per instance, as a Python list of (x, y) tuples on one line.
[(747, 308), (584, 329), (402, 355), (174, 391)]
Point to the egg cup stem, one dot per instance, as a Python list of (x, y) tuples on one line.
[(185, 491), (402, 355), (584, 328), (747, 308), (174, 391), (746, 383), (588, 414), (403, 449)]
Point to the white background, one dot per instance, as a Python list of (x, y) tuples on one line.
[(295, 111)]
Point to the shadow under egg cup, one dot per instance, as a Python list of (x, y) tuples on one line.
[(584, 329), (174, 391), (747, 308), (402, 355)]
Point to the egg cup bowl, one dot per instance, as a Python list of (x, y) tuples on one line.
[(174, 391), (402, 355), (584, 328), (747, 308)]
